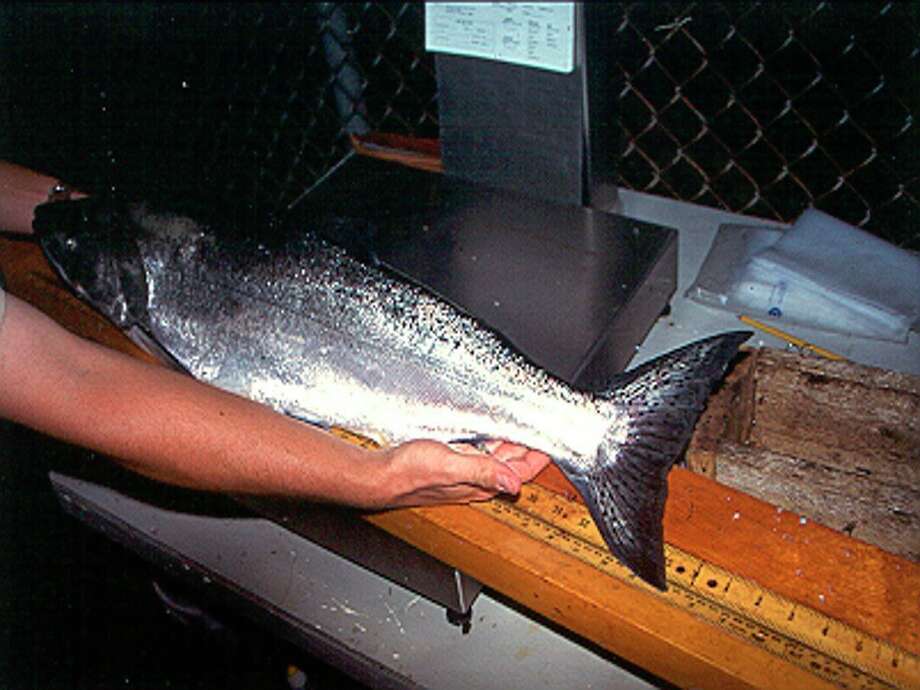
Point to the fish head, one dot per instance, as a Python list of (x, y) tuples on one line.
[(93, 245)]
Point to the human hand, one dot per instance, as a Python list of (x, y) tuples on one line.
[(21, 190), (428, 472)]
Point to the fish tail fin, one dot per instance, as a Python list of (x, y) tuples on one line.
[(655, 407)]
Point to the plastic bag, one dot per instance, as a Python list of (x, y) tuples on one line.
[(821, 273)]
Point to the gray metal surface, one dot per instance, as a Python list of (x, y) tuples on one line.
[(344, 533), (550, 135), (575, 289), (512, 127), (376, 630), (601, 94)]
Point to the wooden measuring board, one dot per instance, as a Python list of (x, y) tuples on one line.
[(714, 628), (799, 635)]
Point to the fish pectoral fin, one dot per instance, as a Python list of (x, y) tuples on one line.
[(365, 439)]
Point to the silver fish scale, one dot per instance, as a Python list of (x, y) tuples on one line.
[(352, 346)]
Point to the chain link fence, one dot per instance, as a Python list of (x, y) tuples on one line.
[(757, 107), (766, 108)]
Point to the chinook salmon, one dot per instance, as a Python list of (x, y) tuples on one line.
[(305, 327)]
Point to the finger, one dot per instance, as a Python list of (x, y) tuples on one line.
[(528, 465), (513, 453), (499, 449), (505, 450), (451, 494), (525, 462), (485, 472)]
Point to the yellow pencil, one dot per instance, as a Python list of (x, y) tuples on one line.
[(789, 338)]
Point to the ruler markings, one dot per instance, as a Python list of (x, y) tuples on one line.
[(796, 633)]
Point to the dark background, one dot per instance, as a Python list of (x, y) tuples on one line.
[(79, 612), (758, 107)]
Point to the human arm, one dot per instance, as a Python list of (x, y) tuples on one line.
[(172, 428)]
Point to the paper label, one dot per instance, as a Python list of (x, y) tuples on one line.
[(535, 34)]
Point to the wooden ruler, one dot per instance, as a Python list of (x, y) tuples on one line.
[(797, 634)]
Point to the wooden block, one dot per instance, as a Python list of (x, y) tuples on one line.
[(847, 416), (886, 514), (834, 441), (628, 621)]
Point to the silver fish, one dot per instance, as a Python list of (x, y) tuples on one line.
[(306, 328)]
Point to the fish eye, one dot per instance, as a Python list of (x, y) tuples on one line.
[(70, 243)]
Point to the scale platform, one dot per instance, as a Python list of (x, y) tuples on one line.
[(576, 290)]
